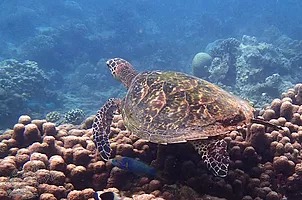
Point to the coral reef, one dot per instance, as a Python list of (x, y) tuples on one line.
[(255, 70), (68, 37), (53, 116), (40, 48), (23, 89), (74, 116), (39, 159)]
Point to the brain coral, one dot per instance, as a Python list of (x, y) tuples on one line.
[(199, 63)]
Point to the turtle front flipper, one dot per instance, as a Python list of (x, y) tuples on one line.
[(214, 155), (101, 127)]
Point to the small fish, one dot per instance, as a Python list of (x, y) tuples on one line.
[(134, 166), (106, 196)]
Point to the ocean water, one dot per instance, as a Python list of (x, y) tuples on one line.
[(70, 41), (53, 53)]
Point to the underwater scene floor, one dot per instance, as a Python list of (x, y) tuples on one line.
[(42, 160)]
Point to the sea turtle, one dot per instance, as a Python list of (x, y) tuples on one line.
[(173, 107)]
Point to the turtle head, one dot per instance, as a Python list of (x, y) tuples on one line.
[(122, 70)]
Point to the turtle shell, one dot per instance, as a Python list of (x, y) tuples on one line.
[(173, 107)]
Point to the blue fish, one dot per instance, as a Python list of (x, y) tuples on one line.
[(134, 166)]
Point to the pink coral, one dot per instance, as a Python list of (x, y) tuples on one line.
[(47, 196), (81, 156), (49, 129), (18, 133), (7, 167), (31, 134), (286, 110), (58, 191), (56, 162), (33, 165)]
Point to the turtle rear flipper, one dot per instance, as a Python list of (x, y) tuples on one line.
[(214, 155), (101, 127)]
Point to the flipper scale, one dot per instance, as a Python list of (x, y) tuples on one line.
[(101, 127)]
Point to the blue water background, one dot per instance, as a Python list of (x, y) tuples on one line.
[(71, 40)]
